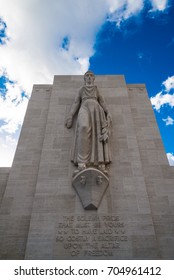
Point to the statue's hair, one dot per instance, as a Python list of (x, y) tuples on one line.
[(89, 71)]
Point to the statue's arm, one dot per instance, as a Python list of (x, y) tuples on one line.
[(74, 108), (104, 106), (102, 103)]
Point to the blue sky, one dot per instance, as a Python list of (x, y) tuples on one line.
[(43, 38), (143, 50)]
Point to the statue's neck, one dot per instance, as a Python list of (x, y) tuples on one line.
[(89, 86)]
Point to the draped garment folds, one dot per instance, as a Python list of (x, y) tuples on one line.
[(91, 122)]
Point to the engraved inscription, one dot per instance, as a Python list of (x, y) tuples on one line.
[(90, 235)]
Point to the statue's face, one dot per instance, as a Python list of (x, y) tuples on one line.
[(89, 79)]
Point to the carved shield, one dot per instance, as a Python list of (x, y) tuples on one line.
[(90, 185)]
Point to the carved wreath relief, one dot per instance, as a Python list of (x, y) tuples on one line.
[(91, 147)]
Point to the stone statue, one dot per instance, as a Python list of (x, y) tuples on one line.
[(91, 146)]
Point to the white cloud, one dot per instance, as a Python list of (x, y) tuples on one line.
[(169, 84), (13, 107), (7, 150), (84, 63), (170, 159), (130, 7), (160, 99), (159, 5), (122, 10), (163, 97), (169, 121)]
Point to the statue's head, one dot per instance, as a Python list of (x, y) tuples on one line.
[(89, 78)]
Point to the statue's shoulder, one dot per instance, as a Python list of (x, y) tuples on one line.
[(82, 89), (96, 89)]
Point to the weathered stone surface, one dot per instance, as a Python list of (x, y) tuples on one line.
[(4, 173), (16, 207), (41, 215)]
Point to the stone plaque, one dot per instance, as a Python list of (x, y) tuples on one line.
[(88, 236)]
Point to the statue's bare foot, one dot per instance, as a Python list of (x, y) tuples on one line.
[(81, 166), (75, 172), (102, 168)]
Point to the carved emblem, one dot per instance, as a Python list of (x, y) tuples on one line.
[(99, 180), (83, 180), (95, 183)]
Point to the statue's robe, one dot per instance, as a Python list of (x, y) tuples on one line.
[(90, 124)]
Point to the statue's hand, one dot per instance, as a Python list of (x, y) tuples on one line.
[(104, 136), (69, 122), (109, 120)]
